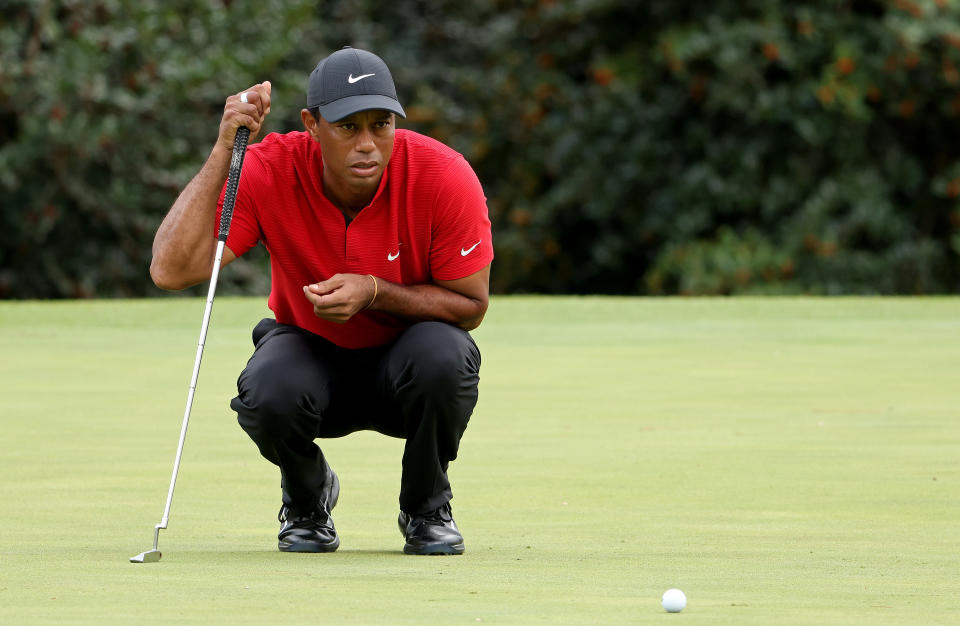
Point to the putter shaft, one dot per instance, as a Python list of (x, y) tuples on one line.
[(186, 412), (233, 182)]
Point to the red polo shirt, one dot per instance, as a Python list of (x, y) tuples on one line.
[(427, 221)]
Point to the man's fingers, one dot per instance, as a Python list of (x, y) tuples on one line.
[(247, 108), (326, 306), (251, 103), (330, 301), (259, 95), (269, 94), (250, 106), (321, 288), (320, 295), (313, 294)]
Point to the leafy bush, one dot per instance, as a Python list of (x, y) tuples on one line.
[(814, 148), (107, 110), (656, 147), (826, 135)]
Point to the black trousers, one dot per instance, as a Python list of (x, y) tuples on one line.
[(298, 387)]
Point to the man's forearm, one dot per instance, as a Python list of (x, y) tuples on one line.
[(429, 302), (183, 246)]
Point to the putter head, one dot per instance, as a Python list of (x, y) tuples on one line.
[(150, 556)]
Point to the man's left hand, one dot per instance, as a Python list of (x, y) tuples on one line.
[(340, 297)]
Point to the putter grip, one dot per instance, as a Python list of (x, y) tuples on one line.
[(233, 180)]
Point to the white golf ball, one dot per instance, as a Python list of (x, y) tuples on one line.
[(673, 600)]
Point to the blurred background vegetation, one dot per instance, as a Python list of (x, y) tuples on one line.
[(625, 147)]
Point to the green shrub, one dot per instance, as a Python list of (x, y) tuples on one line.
[(108, 109), (625, 147)]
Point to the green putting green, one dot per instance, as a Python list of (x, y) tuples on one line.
[(789, 461)]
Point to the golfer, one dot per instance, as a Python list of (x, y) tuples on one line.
[(380, 252)]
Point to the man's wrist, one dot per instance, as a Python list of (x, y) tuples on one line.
[(376, 289)]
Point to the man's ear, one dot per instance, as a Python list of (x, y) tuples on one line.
[(309, 122)]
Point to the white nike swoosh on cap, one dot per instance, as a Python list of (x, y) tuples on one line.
[(466, 251), (351, 79)]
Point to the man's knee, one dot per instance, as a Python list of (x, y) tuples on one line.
[(438, 357), (272, 400)]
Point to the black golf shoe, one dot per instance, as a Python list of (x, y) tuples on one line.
[(431, 533), (312, 530)]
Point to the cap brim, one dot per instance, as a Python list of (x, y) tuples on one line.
[(344, 107)]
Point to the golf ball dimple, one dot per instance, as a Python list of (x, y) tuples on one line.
[(673, 600)]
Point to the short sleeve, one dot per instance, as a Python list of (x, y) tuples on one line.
[(461, 238)]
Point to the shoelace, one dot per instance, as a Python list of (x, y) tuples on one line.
[(316, 518)]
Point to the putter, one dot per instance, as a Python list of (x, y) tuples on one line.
[(233, 181)]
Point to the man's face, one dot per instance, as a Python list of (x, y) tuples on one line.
[(356, 151)]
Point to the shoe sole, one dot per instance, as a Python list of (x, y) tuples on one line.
[(308, 546), (434, 549)]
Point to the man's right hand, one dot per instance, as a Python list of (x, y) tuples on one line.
[(251, 114)]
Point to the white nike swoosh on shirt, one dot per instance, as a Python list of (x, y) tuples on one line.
[(393, 257), (351, 79), (466, 251)]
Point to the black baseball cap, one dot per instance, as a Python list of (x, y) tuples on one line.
[(351, 80)]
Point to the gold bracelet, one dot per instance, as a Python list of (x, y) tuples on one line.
[(375, 290)]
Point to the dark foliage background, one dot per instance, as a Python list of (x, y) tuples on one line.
[(625, 147)]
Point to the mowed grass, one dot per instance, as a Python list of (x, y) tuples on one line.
[(789, 461)]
